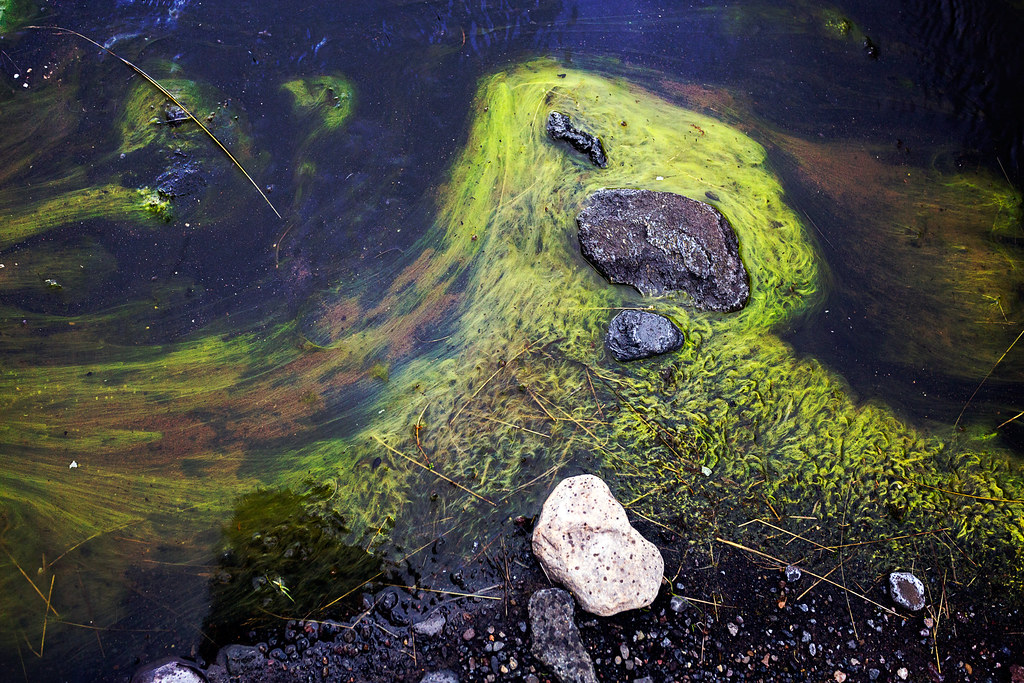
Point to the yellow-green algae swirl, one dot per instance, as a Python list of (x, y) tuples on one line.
[(492, 337), (520, 393)]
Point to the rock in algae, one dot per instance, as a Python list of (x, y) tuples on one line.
[(659, 242), (633, 335), (585, 542), (560, 128)]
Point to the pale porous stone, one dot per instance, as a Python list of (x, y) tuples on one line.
[(585, 542)]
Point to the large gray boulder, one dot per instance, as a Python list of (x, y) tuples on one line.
[(660, 242), (584, 541), (633, 335), (556, 640)]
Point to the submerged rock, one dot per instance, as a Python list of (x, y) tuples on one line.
[(585, 542), (169, 670), (633, 335), (181, 180), (560, 128), (906, 590), (660, 242), (556, 640)]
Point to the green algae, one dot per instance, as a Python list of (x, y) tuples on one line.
[(111, 202), (492, 337), (148, 118), (782, 431), (329, 98)]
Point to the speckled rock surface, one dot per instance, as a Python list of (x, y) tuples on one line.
[(660, 242), (634, 335), (906, 590), (560, 128), (584, 541), (556, 640), (169, 670)]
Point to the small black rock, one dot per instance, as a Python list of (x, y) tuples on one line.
[(560, 128), (633, 335)]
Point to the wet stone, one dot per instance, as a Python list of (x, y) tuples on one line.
[(442, 676), (560, 128), (183, 179), (634, 335), (661, 242), (169, 670), (906, 590), (556, 640), (240, 659), (430, 627)]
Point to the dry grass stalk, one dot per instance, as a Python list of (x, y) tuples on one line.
[(509, 424), (49, 607), (1010, 420), (432, 471), (478, 594), (493, 375), (807, 571), (985, 378), (166, 93)]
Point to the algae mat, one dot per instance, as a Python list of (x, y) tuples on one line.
[(454, 398), (734, 426)]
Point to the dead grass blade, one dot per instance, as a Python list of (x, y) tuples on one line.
[(784, 563), (985, 379), (166, 93), (493, 375), (49, 607), (432, 471)]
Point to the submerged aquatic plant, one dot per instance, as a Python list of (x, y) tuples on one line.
[(498, 385)]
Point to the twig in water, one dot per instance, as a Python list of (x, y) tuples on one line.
[(806, 571), (166, 93), (416, 429), (434, 472), (493, 375), (985, 378)]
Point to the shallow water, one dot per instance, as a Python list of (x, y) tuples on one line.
[(240, 395)]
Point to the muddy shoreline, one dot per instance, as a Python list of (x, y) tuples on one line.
[(733, 618)]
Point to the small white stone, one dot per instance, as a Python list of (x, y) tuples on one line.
[(73, 465), (902, 672), (584, 540)]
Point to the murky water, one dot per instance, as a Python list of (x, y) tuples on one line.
[(212, 415)]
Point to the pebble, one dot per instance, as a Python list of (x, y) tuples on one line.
[(793, 574), (468, 634), (902, 673), (678, 604)]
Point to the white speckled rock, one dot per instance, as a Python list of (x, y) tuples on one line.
[(585, 542)]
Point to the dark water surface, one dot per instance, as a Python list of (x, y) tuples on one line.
[(196, 394)]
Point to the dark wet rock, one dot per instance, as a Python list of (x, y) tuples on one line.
[(183, 179), (633, 335), (556, 640), (240, 659), (906, 590), (430, 627), (560, 128), (443, 676), (169, 670), (660, 242)]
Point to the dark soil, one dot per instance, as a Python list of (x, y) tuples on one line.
[(761, 629)]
